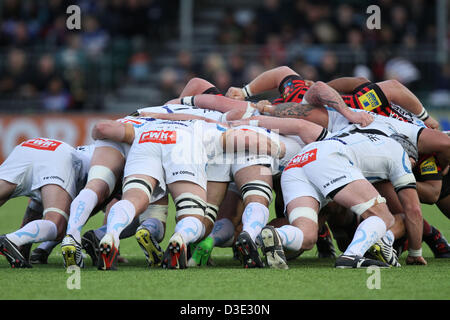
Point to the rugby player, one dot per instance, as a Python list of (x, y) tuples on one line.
[(308, 133), (389, 98), (51, 173)]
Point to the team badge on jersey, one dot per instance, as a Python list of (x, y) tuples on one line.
[(369, 100), (302, 159), (159, 136), (42, 144), (428, 166)]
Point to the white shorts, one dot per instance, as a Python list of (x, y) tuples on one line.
[(292, 148), (247, 160), (218, 172), (295, 184), (242, 159), (327, 167), (122, 147), (177, 157), (39, 162)]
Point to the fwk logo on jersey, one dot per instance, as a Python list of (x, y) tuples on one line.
[(302, 159), (159, 136), (42, 144)]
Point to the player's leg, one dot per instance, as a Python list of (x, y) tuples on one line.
[(56, 202), (435, 240), (255, 183), (363, 199), (106, 168), (190, 203), (6, 190), (201, 251), (297, 236), (151, 231), (32, 212), (137, 194)]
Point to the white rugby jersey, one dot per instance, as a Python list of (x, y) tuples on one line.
[(377, 156), (180, 108)]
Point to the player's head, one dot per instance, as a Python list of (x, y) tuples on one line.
[(407, 145)]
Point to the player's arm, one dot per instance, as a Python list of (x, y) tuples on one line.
[(306, 130), (235, 109), (238, 140), (404, 183), (429, 191), (413, 223), (266, 81), (321, 94), (347, 84), (429, 180), (175, 116), (113, 130)]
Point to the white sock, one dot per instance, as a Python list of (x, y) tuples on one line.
[(291, 237), (80, 210), (223, 230), (155, 227), (35, 231), (120, 216), (367, 233), (190, 228), (100, 232), (254, 218), (389, 237)]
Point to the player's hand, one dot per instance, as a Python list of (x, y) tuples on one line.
[(309, 83), (235, 93), (263, 105), (431, 123), (416, 261), (361, 118)]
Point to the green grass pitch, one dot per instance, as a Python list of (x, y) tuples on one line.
[(308, 277)]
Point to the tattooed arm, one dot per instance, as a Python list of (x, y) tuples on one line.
[(321, 94)]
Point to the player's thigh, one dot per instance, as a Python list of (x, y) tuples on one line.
[(6, 190), (254, 174), (359, 192), (109, 157), (216, 192), (137, 189), (187, 190)]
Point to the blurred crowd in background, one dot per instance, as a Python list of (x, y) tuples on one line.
[(127, 43)]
